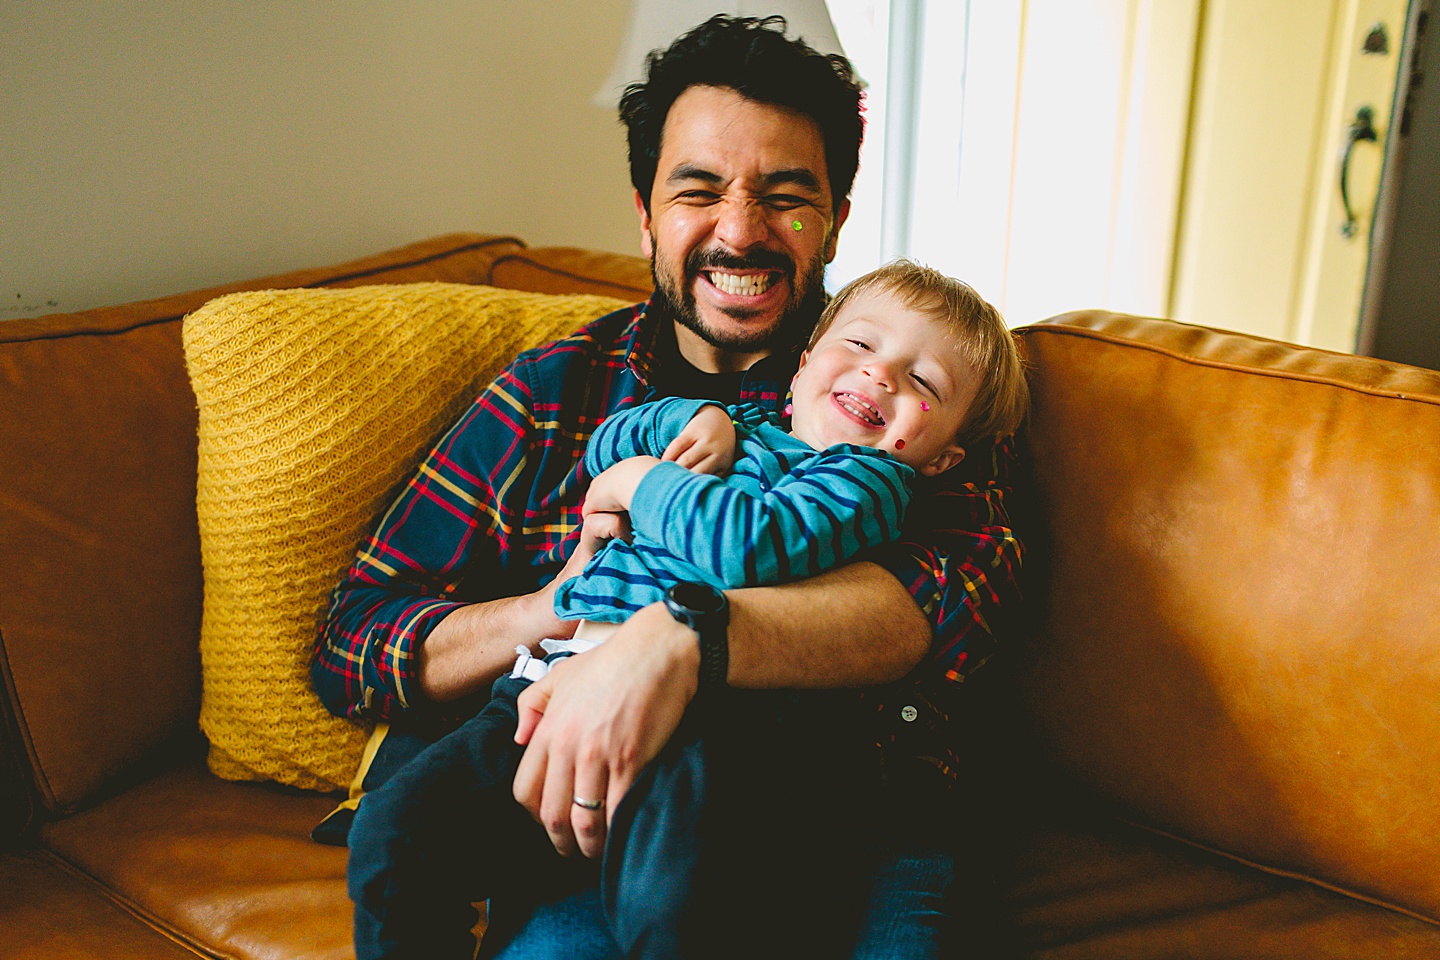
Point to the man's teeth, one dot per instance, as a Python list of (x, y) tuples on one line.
[(744, 285), (861, 409)]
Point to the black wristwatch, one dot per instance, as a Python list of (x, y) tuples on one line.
[(705, 610)]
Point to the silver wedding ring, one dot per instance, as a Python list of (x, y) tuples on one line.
[(587, 804)]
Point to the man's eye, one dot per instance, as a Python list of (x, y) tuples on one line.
[(699, 196), (783, 201)]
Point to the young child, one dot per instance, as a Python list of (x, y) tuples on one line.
[(905, 369)]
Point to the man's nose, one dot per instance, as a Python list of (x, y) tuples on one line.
[(741, 224)]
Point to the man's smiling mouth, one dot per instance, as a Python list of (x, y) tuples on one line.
[(740, 285), (861, 408)]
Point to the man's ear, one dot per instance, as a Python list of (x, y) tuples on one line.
[(842, 213), (647, 247), (943, 461)]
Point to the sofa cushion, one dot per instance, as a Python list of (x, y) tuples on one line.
[(315, 405), (52, 911), (101, 588), (1082, 887), (1238, 636), (227, 867)]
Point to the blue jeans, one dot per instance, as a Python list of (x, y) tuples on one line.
[(905, 917)]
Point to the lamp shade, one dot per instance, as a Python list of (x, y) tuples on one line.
[(655, 24)]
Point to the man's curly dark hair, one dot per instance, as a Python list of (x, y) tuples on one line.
[(753, 57)]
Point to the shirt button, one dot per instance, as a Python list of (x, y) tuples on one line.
[(909, 713)]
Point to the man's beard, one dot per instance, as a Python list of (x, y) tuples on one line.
[(797, 316)]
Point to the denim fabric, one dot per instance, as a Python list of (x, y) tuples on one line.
[(445, 832), (572, 928), (760, 831), (905, 918)]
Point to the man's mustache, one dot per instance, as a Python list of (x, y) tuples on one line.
[(756, 260)]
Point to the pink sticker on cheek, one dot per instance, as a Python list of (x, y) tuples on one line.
[(924, 406), (899, 444)]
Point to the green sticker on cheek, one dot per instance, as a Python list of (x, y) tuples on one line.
[(798, 226)]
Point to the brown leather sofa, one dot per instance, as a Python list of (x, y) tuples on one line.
[(1218, 737)]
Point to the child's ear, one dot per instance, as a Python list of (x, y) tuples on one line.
[(943, 461), (804, 359)]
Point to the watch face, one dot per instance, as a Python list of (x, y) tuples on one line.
[(699, 597)]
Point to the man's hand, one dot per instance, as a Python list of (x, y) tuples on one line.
[(707, 444), (596, 719), (614, 488)]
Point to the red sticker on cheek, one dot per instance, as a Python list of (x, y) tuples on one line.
[(899, 444), (924, 406)]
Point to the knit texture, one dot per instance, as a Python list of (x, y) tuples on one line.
[(315, 406)]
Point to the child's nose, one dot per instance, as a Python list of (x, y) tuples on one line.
[(882, 373)]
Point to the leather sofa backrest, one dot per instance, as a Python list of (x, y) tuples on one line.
[(573, 270), (100, 577), (1240, 633)]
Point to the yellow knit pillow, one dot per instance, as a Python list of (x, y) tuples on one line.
[(315, 406)]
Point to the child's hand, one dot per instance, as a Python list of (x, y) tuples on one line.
[(600, 528), (596, 530), (613, 489), (707, 444)]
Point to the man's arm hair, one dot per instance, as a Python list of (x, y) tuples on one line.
[(854, 626)]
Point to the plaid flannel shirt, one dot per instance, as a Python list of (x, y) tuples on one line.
[(494, 511)]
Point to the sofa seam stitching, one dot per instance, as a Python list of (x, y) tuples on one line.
[(1280, 872), (1235, 367), (569, 275), (171, 318), (134, 909), (40, 779), (477, 245)]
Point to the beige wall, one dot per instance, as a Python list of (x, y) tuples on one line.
[(151, 148)]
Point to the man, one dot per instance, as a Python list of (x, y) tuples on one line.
[(743, 149)]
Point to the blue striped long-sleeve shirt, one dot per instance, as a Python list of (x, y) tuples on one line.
[(786, 511)]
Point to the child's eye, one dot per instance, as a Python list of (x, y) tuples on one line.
[(861, 344), (924, 384)]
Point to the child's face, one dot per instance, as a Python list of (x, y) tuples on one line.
[(887, 376)]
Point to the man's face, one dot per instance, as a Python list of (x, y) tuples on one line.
[(741, 224)]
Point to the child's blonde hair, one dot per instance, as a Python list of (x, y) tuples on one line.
[(981, 337)]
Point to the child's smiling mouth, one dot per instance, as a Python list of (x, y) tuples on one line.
[(859, 407)]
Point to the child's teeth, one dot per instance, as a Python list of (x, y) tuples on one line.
[(862, 410)]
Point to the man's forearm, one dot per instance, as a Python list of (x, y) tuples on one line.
[(854, 626), (476, 643)]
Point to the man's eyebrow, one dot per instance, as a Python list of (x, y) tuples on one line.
[(797, 176), (688, 171)]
